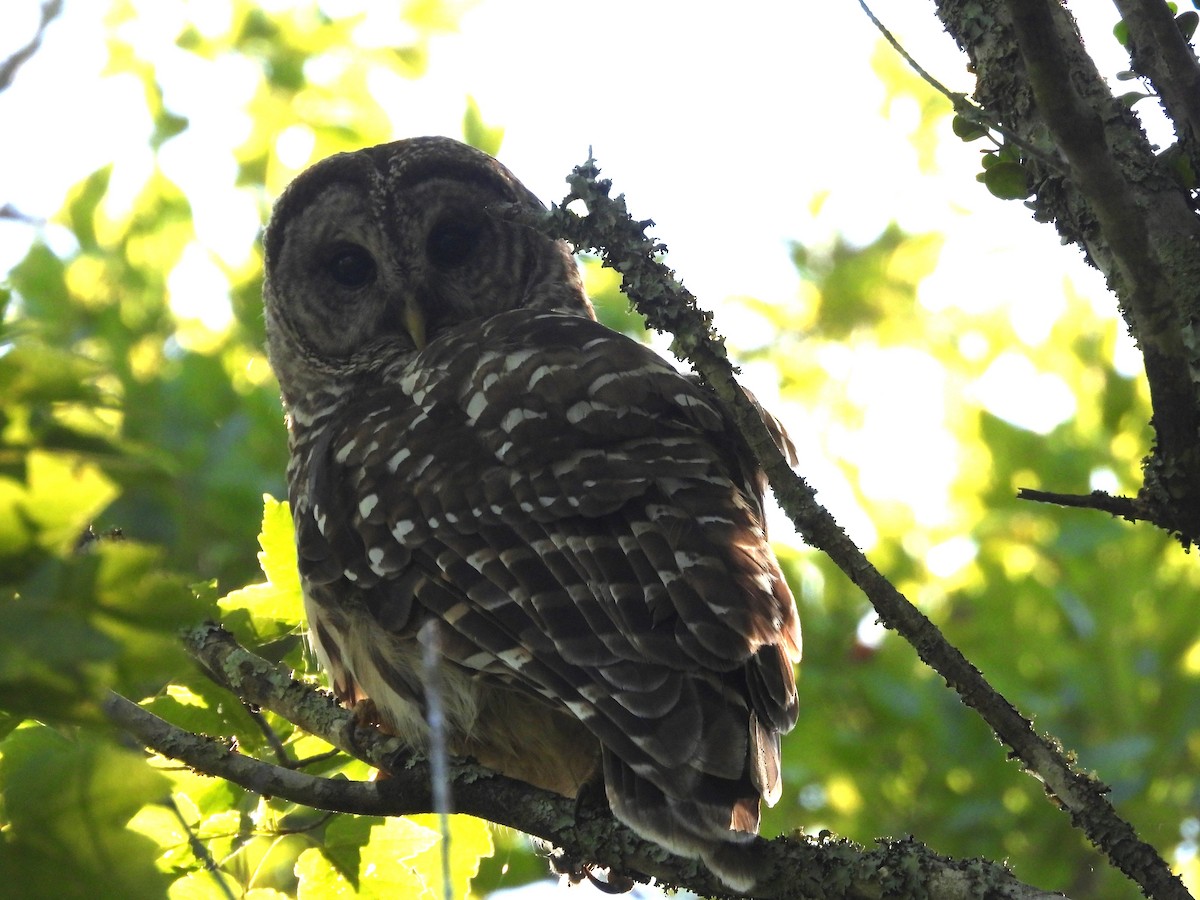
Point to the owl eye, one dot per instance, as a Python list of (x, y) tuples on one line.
[(350, 266), (451, 244)]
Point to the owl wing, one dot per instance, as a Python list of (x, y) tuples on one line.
[(585, 521)]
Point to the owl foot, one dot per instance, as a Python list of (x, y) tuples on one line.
[(575, 871), (366, 716)]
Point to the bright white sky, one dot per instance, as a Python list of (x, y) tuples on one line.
[(767, 103)]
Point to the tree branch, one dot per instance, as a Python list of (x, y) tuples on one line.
[(10, 65), (962, 105), (1143, 220), (796, 867), (1118, 202), (668, 307), (1127, 508), (1160, 53)]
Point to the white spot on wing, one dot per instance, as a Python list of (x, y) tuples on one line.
[(475, 406), (402, 529), (689, 400), (539, 373), (400, 456), (481, 558), (515, 417), (515, 360), (581, 410), (375, 558), (367, 505), (517, 657)]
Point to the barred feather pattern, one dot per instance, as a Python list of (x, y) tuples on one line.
[(581, 522)]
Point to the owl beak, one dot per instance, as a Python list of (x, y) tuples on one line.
[(414, 323)]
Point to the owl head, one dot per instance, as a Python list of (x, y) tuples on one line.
[(373, 254)]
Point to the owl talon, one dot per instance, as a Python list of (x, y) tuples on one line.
[(616, 883), (575, 872), (365, 715)]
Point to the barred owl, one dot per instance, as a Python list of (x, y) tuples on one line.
[(580, 523)]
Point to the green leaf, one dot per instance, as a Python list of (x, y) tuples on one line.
[(345, 837), (478, 133), (1187, 23), (54, 661), (394, 864), (1006, 180), (82, 203), (64, 495), (275, 607), (40, 278), (470, 843), (167, 126), (320, 880), (278, 542), (66, 803), (613, 309), (966, 129)]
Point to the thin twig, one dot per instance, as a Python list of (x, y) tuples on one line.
[(973, 113), (1126, 508), (273, 741), (9, 67), (199, 850)]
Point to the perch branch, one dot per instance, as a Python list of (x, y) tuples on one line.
[(621, 241), (793, 868), (1126, 508)]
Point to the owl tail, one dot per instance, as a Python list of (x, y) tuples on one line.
[(713, 823)]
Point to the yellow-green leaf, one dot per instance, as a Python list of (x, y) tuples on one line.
[(276, 606), (470, 841)]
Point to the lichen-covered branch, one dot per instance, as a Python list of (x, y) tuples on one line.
[(792, 868), (1160, 53), (621, 241), (1123, 205)]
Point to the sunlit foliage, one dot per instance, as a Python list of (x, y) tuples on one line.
[(140, 430)]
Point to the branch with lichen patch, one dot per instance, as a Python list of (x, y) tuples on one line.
[(609, 230), (1125, 207), (795, 868)]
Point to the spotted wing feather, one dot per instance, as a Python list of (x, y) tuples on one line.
[(582, 521)]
